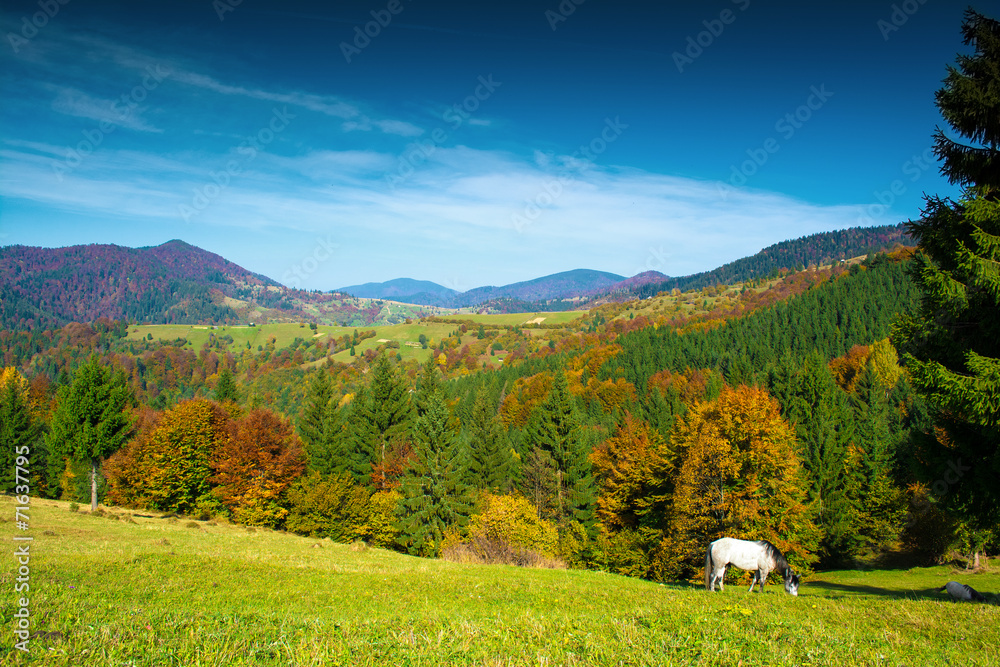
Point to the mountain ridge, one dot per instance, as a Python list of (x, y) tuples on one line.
[(176, 282)]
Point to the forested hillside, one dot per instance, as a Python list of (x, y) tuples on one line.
[(44, 288), (813, 250), (50, 287), (586, 444)]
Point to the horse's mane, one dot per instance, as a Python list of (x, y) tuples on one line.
[(780, 564)]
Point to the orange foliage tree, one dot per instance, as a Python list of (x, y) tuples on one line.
[(633, 471), (254, 467), (631, 468), (739, 477), (528, 394), (847, 369)]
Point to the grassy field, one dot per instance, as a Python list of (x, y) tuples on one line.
[(285, 333), (197, 335), (154, 591)]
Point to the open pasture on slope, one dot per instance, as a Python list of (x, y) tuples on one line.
[(197, 335), (129, 588), (235, 338)]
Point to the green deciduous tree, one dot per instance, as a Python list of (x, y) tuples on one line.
[(91, 420), (329, 506), (168, 465), (952, 345)]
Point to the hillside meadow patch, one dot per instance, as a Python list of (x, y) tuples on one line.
[(152, 592)]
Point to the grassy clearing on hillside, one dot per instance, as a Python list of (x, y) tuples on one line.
[(516, 319), (161, 592), (197, 335)]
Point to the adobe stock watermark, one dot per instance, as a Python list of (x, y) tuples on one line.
[(121, 109), (786, 126), (455, 116), (714, 28), (363, 35), (22, 554), (898, 17), (249, 148), (223, 7), (914, 168), (562, 12), (30, 25), (322, 252), (553, 188)]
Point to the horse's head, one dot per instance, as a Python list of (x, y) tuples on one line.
[(792, 582)]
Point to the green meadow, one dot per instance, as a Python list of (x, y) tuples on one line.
[(198, 335), (132, 588)]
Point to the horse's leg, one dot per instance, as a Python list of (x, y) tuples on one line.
[(753, 581), (763, 578)]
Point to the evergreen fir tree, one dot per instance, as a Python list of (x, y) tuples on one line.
[(320, 427), (434, 499), (553, 430), (817, 408), (91, 420), (379, 415), (879, 502), (952, 345), (491, 461), (225, 389), (430, 384)]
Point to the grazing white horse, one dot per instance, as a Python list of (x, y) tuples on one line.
[(963, 592), (761, 557)]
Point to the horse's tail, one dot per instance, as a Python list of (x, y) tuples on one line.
[(709, 567)]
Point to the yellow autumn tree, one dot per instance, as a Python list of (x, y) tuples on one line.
[(739, 477), (509, 523)]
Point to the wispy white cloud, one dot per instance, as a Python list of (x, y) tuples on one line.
[(73, 102), (91, 66), (458, 211)]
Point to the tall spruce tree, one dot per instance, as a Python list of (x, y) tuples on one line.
[(557, 456), (91, 420), (434, 498), (878, 501), (817, 408), (379, 415), (952, 345), (320, 427), (491, 459), (226, 389)]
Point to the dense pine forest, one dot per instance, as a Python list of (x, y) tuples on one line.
[(621, 441)]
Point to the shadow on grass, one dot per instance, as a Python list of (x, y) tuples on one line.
[(912, 594)]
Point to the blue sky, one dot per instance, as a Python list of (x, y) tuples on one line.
[(328, 144)]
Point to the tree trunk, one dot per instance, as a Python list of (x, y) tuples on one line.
[(93, 486)]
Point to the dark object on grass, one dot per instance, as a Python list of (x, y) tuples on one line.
[(962, 592)]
